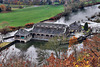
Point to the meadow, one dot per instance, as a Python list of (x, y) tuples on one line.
[(30, 14)]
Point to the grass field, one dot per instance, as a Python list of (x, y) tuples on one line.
[(20, 17)]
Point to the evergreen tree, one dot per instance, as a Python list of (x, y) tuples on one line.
[(0, 10), (86, 26)]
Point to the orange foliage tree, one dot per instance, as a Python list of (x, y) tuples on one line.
[(3, 7), (72, 41), (88, 57), (93, 49)]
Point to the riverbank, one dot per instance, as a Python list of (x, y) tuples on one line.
[(35, 14)]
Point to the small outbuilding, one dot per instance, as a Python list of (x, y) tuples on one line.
[(23, 35)]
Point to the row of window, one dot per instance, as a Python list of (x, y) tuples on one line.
[(43, 35), (49, 26)]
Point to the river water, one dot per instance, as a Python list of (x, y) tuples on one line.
[(79, 15), (32, 49)]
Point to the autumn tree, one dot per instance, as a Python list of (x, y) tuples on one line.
[(93, 45), (73, 41), (92, 48), (88, 57), (42, 56), (4, 25), (55, 44), (3, 7)]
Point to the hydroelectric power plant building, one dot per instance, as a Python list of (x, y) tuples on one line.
[(42, 31), (45, 31)]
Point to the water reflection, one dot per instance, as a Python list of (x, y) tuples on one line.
[(79, 15), (25, 46)]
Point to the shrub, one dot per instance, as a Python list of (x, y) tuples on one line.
[(29, 25), (4, 31), (3, 7), (53, 18), (21, 7), (8, 8), (17, 28), (12, 28)]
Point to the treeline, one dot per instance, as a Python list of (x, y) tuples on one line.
[(33, 2), (4, 8), (74, 5)]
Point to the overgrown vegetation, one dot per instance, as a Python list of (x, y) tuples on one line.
[(88, 57)]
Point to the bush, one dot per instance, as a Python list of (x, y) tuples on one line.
[(29, 25), (4, 31), (12, 28), (99, 7), (21, 7), (8, 8), (3, 7)]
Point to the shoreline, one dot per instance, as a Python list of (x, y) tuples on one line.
[(58, 16)]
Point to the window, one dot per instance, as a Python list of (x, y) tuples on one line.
[(47, 35), (17, 36), (42, 35), (51, 36), (22, 37), (38, 34)]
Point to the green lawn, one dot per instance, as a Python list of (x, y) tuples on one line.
[(97, 0), (20, 17)]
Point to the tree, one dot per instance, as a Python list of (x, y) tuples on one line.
[(86, 26), (3, 7), (55, 44), (93, 45), (42, 57), (93, 50), (73, 41), (88, 57), (4, 25)]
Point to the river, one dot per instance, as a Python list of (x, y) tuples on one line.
[(32, 49)]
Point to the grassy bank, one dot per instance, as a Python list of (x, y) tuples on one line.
[(31, 14)]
